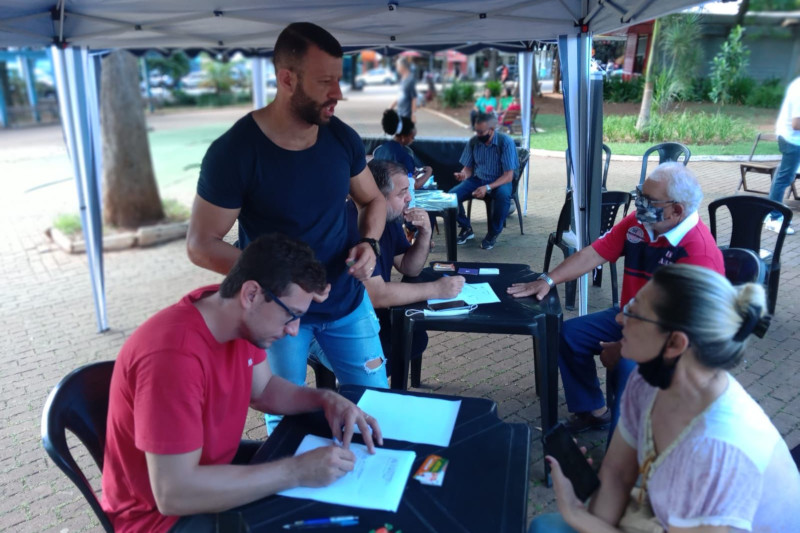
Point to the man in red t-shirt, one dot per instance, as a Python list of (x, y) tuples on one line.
[(665, 229), (182, 385)]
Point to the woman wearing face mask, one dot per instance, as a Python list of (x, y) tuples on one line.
[(397, 149), (707, 457)]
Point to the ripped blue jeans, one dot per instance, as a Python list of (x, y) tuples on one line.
[(351, 345)]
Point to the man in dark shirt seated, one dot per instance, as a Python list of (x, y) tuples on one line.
[(395, 250)]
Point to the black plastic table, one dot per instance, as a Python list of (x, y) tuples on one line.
[(485, 486), (523, 316)]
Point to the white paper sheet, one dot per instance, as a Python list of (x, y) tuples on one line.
[(412, 418), (473, 293), (376, 482)]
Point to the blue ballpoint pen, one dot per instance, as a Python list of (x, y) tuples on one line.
[(332, 521)]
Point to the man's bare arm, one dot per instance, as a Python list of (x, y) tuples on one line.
[(573, 267), (385, 294), (208, 226), (181, 486)]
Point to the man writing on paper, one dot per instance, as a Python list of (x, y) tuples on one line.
[(664, 229), (181, 388)]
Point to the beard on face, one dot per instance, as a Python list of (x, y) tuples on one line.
[(307, 109)]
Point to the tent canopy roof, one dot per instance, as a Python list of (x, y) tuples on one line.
[(255, 24)]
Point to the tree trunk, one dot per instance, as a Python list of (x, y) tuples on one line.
[(537, 89), (647, 98), (556, 73), (130, 193)]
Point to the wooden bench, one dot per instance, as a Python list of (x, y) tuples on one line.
[(511, 121), (763, 167)]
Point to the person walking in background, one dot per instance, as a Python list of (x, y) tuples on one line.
[(406, 103), (788, 130)]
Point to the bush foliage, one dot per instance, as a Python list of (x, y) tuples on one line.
[(617, 90), (687, 128), (458, 93)]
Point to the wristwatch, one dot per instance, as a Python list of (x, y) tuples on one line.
[(488, 188), (373, 243), (547, 279)]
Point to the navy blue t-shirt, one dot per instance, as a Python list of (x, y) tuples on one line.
[(298, 193)]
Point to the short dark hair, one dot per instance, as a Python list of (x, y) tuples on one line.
[(293, 42), (274, 261), (486, 118), (391, 120), (382, 170)]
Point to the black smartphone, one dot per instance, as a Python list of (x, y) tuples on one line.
[(456, 304), (559, 444)]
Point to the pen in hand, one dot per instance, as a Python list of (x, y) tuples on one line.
[(332, 521)]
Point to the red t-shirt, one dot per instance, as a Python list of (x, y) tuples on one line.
[(689, 242), (174, 389)]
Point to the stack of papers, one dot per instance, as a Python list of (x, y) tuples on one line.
[(376, 482), (473, 294), (412, 418)]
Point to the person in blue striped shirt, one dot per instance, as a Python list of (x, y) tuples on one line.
[(489, 160)]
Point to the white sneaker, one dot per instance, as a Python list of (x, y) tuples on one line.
[(775, 225)]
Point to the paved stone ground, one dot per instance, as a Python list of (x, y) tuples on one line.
[(49, 326)]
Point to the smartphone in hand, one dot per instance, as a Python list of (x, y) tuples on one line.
[(558, 443)]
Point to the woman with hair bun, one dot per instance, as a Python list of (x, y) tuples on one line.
[(403, 131), (706, 456)]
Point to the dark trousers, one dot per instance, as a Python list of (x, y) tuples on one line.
[(579, 343), (500, 197)]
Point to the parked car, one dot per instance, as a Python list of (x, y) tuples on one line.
[(194, 79), (377, 76)]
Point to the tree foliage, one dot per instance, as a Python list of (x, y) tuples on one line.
[(774, 5), (679, 57), (729, 67), (176, 65)]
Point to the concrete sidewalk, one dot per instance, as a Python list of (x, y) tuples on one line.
[(50, 329)]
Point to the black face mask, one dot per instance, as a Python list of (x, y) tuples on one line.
[(484, 138), (655, 372)]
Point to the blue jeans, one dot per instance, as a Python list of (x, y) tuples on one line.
[(550, 523), (579, 343), (349, 344), (345, 345), (786, 172), (501, 201)]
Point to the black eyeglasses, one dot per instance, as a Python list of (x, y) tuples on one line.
[(285, 307), (644, 201), (626, 311)]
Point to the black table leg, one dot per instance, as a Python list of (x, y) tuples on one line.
[(402, 330), (449, 216)]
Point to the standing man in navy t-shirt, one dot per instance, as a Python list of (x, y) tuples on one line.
[(288, 168)]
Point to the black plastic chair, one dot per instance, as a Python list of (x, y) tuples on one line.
[(324, 377), (79, 403), (524, 156), (611, 202), (742, 266), (666, 152), (606, 163), (747, 217), (565, 241)]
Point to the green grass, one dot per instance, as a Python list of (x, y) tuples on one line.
[(68, 223), (177, 154), (554, 137)]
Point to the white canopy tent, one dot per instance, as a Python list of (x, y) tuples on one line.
[(74, 29)]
